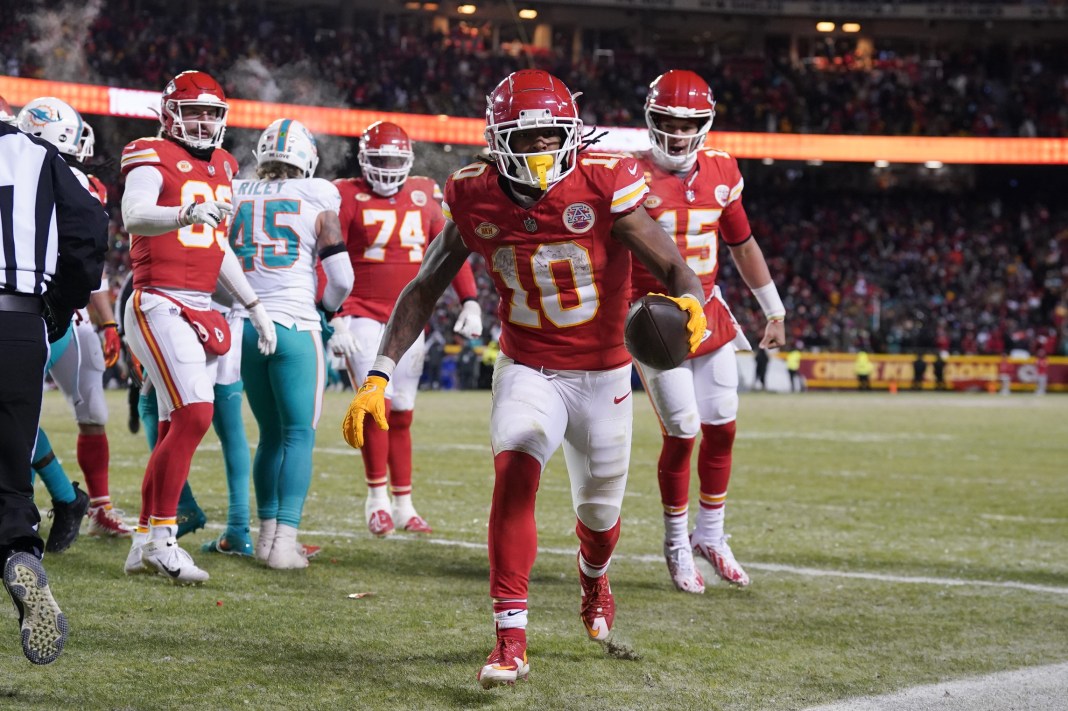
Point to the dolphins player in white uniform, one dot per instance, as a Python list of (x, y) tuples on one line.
[(282, 222)]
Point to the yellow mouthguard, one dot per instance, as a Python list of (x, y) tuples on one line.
[(541, 164)]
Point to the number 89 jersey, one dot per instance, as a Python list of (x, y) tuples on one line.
[(562, 277), (188, 257), (273, 235)]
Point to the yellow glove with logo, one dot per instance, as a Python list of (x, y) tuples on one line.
[(697, 323), (371, 398)]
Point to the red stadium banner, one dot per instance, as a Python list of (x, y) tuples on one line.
[(111, 101), (834, 371)]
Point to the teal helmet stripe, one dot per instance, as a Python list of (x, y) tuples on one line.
[(283, 134)]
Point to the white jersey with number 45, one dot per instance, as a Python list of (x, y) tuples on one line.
[(273, 234)]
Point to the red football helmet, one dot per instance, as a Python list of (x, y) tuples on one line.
[(531, 98), (7, 115), (385, 157), (193, 110), (678, 94)]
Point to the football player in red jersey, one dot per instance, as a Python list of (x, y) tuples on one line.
[(388, 217), (557, 227), (177, 197), (695, 194)]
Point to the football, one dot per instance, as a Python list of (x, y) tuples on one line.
[(655, 332)]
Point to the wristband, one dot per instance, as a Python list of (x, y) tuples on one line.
[(770, 303), (383, 366), (108, 324)]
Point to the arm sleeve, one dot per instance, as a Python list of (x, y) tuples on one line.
[(82, 226), (734, 224), (232, 277), (140, 213), (339, 279)]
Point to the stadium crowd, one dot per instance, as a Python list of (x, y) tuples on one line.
[(980, 90)]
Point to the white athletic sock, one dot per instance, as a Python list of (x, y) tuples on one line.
[(676, 529), (709, 524)]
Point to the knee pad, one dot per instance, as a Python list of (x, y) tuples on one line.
[(597, 516)]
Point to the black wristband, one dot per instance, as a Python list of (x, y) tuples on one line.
[(379, 373), (331, 250)]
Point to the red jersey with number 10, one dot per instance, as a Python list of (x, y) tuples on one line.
[(563, 279), (697, 211), (187, 257)]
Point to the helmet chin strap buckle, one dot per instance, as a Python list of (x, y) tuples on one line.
[(540, 164)]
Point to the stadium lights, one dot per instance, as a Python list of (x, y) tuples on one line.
[(430, 6), (466, 9), (824, 26), (850, 27), (767, 161), (413, 5), (932, 164), (528, 13), (882, 163)]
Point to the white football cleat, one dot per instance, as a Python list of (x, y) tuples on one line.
[(286, 553), (684, 573), (167, 557), (265, 539), (133, 565), (722, 559)]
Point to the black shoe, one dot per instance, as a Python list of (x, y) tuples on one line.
[(66, 521), (42, 625)]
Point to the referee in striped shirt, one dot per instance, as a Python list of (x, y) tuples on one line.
[(53, 236)]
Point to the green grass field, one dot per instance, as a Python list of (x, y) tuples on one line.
[(893, 540)]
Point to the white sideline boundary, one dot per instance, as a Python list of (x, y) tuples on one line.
[(1033, 689)]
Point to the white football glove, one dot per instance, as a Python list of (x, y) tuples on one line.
[(264, 326), (469, 323), (211, 213), (343, 343)]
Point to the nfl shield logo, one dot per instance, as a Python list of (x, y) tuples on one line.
[(530, 224)]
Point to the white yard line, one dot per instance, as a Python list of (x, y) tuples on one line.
[(769, 567), (1042, 688)]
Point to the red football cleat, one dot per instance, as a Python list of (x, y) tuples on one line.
[(506, 664)]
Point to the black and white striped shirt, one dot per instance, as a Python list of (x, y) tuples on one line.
[(53, 233)]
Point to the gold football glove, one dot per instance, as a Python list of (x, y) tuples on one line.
[(370, 399), (697, 323)]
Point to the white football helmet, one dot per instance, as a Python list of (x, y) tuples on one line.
[(288, 141), (55, 121)]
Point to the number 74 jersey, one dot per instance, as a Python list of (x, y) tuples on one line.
[(273, 235)]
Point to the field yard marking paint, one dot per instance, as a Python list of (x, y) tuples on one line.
[(769, 567)]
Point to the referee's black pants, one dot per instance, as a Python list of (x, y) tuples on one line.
[(23, 354)]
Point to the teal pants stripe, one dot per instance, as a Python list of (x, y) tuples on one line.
[(283, 399), (230, 427)]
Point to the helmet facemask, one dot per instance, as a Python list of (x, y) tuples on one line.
[(386, 168), (661, 139), (86, 144), (541, 169), (208, 126)]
